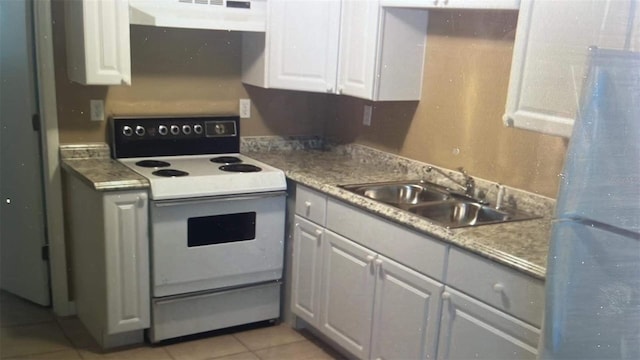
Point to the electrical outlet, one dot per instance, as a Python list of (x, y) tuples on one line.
[(245, 108), (366, 118), (97, 110)]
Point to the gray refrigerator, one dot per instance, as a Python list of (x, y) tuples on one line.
[(592, 308)]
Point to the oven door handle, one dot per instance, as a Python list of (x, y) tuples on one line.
[(232, 197)]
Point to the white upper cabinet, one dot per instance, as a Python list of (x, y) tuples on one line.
[(381, 51), (550, 57), (303, 39), (454, 4), (346, 47), (97, 34)]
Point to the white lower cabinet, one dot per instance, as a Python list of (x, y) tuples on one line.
[(370, 305), (375, 307), (108, 234), (405, 315), (306, 270), (378, 290), (470, 329), (346, 308)]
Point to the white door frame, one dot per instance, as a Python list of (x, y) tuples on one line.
[(45, 74)]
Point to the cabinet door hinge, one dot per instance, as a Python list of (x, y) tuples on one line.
[(35, 122), (45, 253)]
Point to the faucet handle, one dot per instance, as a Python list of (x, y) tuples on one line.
[(499, 196)]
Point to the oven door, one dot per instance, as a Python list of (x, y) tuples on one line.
[(214, 243)]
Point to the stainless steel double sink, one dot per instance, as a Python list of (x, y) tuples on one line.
[(436, 203)]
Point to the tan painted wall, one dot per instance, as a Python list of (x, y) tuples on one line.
[(458, 120), (178, 71)]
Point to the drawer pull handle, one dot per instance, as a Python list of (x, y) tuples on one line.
[(318, 233), (307, 205), (498, 287), (370, 258), (446, 295), (378, 262)]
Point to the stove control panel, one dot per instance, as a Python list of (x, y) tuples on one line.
[(179, 135), (178, 129)]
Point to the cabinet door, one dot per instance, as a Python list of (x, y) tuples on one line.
[(550, 57), (347, 295), (126, 261), (358, 38), (470, 329), (306, 270), (98, 46), (303, 44), (406, 313)]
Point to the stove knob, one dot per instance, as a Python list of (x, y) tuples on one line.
[(197, 129), (140, 130), (219, 129), (186, 129), (163, 130), (175, 130), (127, 130)]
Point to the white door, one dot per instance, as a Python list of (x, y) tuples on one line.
[(303, 44), (217, 242), (470, 329), (22, 218), (347, 295), (307, 269), (407, 307), (127, 261), (550, 57), (358, 39)]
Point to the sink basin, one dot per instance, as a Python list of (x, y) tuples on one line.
[(453, 214), (436, 203), (399, 193)]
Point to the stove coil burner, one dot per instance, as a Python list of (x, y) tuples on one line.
[(240, 168), (170, 173), (225, 160), (152, 163)]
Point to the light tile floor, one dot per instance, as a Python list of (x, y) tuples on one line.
[(28, 331)]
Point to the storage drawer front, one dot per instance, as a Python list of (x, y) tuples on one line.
[(311, 204), (409, 248), (184, 315), (506, 289)]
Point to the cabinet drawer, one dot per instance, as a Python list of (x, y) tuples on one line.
[(506, 289), (311, 204), (407, 247)]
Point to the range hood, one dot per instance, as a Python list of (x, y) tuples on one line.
[(232, 15)]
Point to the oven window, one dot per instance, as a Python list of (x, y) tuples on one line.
[(220, 229)]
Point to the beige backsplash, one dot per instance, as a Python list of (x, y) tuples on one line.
[(456, 123), (180, 71)]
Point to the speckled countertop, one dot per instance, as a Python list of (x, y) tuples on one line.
[(521, 245), (92, 164)]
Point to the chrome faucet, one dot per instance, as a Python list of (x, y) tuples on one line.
[(469, 183)]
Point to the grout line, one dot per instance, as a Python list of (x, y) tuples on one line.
[(28, 356), (27, 324)]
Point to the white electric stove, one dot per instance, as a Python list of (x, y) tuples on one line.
[(216, 222)]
